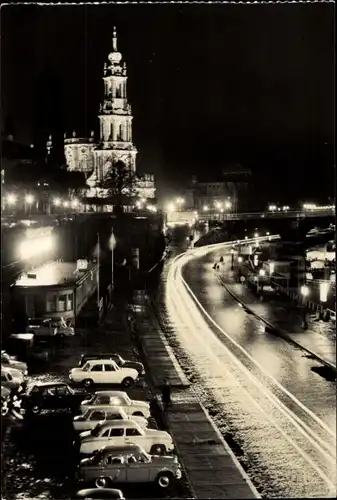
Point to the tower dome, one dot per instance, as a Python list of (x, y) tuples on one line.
[(114, 57)]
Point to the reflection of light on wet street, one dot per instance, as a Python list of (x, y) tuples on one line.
[(273, 427)]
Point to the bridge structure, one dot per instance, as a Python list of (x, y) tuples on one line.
[(289, 214)]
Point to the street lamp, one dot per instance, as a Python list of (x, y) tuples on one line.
[(271, 267), (262, 272), (65, 204), (74, 203), (205, 208), (240, 259), (57, 202), (171, 207), (256, 235), (305, 293), (180, 201), (228, 204)]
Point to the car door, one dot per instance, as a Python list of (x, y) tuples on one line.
[(97, 373), (135, 471), (109, 373), (49, 398), (116, 436), (116, 468), (133, 436)]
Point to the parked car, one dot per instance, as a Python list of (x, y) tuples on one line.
[(128, 464), (41, 327), (91, 418), (121, 362), (5, 397), (103, 371), (13, 382), (53, 396), (121, 432), (101, 399), (100, 494), (9, 362)]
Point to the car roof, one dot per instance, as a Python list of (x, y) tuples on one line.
[(109, 408), (117, 423), (111, 393), (100, 354), (91, 361), (127, 448), (99, 493)]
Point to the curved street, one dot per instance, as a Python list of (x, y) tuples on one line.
[(281, 413)]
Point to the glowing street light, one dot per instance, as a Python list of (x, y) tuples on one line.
[(239, 259), (256, 235), (305, 293), (272, 208), (228, 204), (65, 204), (138, 204), (205, 208), (29, 198), (74, 203), (271, 267), (267, 233), (11, 199), (304, 290), (171, 207), (57, 202), (262, 272)]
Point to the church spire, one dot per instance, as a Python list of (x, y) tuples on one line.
[(114, 39)]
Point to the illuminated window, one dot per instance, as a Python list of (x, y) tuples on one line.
[(70, 302), (51, 303), (62, 300)]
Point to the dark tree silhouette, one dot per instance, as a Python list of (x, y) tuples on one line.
[(121, 185)]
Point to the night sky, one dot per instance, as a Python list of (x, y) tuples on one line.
[(209, 85)]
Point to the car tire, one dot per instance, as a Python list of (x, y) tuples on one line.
[(164, 480), (127, 382), (88, 383), (102, 482), (158, 449)]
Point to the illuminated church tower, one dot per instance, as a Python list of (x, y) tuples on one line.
[(97, 157), (115, 117)]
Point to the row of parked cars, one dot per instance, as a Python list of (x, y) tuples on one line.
[(13, 379), (113, 433)]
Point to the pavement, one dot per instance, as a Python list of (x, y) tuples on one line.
[(210, 465), (284, 319)]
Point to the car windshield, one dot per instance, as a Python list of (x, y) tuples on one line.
[(95, 432), (86, 367), (70, 389)]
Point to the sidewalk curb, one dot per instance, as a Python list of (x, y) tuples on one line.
[(277, 331)]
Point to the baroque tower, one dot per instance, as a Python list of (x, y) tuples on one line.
[(115, 117)]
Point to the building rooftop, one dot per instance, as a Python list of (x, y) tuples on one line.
[(53, 273)]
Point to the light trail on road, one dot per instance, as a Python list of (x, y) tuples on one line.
[(292, 445)]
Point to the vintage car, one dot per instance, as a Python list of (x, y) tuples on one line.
[(5, 398), (93, 416), (128, 464), (53, 396), (8, 362), (41, 327), (121, 362), (101, 399), (121, 432), (103, 371), (100, 494), (12, 379)]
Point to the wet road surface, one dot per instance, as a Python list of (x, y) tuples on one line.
[(278, 409)]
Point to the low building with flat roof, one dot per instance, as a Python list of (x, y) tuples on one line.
[(55, 289)]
